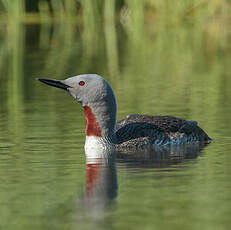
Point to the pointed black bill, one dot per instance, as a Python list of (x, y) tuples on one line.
[(54, 83)]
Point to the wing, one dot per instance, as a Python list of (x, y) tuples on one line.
[(172, 126), (166, 123), (138, 130)]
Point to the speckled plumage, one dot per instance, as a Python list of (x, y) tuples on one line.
[(143, 131)]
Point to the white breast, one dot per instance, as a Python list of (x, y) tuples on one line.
[(98, 147)]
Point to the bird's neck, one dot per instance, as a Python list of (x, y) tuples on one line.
[(100, 131), (101, 120), (92, 125)]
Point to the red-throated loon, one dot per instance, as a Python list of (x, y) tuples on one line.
[(135, 131)]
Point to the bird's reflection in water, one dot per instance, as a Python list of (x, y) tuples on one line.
[(101, 173), (101, 184), (163, 157)]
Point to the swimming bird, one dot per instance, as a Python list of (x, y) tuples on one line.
[(136, 131)]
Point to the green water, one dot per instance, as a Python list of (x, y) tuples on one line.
[(177, 69)]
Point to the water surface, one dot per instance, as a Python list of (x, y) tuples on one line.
[(169, 71)]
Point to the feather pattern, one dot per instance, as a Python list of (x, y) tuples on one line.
[(141, 130)]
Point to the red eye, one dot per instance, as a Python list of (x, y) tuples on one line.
[(81, 83)]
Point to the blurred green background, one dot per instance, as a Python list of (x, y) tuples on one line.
[(162, 57), (175, 47)]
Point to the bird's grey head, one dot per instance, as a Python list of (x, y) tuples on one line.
[(85, 88), (92, 91)]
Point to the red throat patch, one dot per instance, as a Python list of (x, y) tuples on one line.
[(92, 126)]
